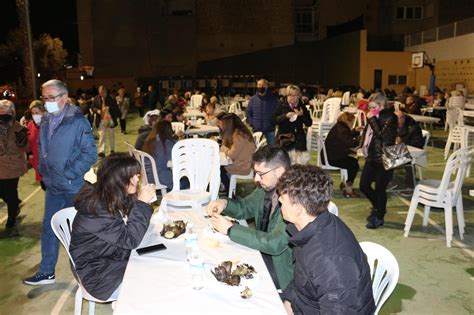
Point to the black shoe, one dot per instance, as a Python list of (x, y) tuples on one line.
[(375, 223), (372, 215), (102, 155)]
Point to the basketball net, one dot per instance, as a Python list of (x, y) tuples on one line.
[(89, 70)]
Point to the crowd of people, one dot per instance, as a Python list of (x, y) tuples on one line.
[(289, 204)]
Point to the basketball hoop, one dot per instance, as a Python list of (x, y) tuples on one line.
[(89, 70)]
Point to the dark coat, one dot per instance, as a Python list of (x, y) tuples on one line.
[(410, 133), (296, 127), (101, 245), (384, 133), (332, 275), (340, 140), (114, 110), (260, 112)]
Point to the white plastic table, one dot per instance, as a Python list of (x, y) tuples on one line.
[(201, 130), (160, 283), (424, 119)]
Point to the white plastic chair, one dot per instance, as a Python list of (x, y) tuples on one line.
[(326, 165), (259, 139), (454, 139), (346, 98), (324, 129), (143, 158), (360, 119), (426, 135), (197, 159), (177, 127), (443, 193), (384, 272), (61, 223), (196, 101), (333, 208), (331, 109)]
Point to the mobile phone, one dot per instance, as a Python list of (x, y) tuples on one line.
[(150, 249)]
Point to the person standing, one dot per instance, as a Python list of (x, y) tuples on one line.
[(107, 117), (123, 102), (13, 143), (139, 101), (67, 151), (380, 131), (260, 111), (332, 275), (37, 113), (269, 235)]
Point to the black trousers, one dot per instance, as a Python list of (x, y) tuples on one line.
[(9, 194), (374, 172), (123, 125), (350, 164), (225, 179)]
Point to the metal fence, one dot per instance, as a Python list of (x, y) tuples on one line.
[(442, 32)]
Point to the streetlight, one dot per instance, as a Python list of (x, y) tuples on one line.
[(39, 75)]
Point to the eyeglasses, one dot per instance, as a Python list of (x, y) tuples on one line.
[(51, 98), (293, 95), (261, 174)]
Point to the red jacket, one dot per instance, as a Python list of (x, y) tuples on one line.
[(33, 135)]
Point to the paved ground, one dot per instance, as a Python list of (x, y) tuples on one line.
[(434, 279)]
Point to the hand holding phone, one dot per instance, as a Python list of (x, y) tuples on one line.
[(150, 249)]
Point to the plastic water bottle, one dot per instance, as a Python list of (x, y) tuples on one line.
[(190, 241), (193, 120), (196, 264)]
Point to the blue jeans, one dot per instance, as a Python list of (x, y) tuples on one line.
[(270, 136), (49, 242)]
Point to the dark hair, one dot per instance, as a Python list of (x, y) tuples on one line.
[(231, 124), (273, 156), (164, 113), (177, 112), (307, 185), (164, 131), (110, 190)]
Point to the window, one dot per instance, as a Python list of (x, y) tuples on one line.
[(394, 79), (304, 20), (409, 13)]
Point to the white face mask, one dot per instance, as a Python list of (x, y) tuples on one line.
[(37, 118), (51, 107)]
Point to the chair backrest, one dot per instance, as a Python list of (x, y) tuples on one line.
[(426, 135), (457, 101), (360, 119), (454, 117), (384, 272), (61, 223), (457, 163), (331, 109), (346, 98), (323, 161), (177, 126), (309, 138), (259, 139), (148, 165), (130, 147), (397, 105), (196, 101), (324, 128), (199, 161), (235, 108), (333, 208)]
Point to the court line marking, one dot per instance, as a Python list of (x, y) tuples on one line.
[(4, 218), (465, 248), (63, 298)]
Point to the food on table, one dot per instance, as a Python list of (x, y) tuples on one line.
[(211, 242), (173, 229), (224, 273), (246, 293)]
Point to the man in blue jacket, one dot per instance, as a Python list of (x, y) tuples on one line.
[(260, 111), (67, 151)]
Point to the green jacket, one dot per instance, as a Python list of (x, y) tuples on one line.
[(274, 242)]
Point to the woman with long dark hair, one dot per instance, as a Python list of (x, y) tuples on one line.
[(113, 216), (238, 145), (159, 144)]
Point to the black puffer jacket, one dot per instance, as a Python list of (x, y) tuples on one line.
[(384, 133), (101, 245), (332, 275), (410, 133), (340, 140)]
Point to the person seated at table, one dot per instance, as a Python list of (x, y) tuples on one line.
[(332, 275), (149, 119), (409, 131), (238, 145), (113, 216), (269, 235), (340, 142), (166, 114), (411, 106), (159, 144), (211, 112), (178, 116)]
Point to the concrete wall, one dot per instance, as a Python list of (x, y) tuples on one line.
[(391, 63)]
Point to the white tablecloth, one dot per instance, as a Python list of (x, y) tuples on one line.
[(468, 113), (201, 130), (424, 119), (160, 283)]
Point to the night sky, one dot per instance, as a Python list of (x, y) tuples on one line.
[(55, 17)]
